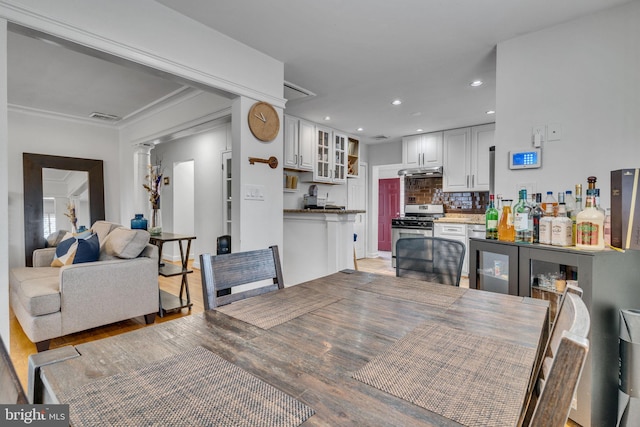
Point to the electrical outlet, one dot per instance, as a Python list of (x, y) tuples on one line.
[(554, 132), (538, 135)]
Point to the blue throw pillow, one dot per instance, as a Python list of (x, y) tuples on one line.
[(76, 250)]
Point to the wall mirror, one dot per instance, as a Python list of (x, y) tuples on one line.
[(84, 185)]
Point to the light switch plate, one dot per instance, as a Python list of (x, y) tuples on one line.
[(254, 192), (554, 132)]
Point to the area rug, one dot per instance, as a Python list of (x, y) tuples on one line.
[(195, 388), (471, 379)]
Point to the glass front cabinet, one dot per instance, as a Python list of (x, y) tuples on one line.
[(610, 281)]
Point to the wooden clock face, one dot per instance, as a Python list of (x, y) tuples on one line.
[(264, 121)]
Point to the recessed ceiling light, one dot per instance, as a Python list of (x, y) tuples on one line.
[(491, 112), (396, 102), (476, 83), (360, 129), (419, 130), (327, 118)]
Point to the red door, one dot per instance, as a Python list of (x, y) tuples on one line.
[(388, 207)]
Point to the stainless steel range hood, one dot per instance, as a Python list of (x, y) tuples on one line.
[(431, 172)]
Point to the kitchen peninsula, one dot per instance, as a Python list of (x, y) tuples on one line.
[(317, 242)]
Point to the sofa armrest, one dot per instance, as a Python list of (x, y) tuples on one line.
[(43, 257)]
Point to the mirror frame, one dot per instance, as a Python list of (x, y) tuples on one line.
[(32, 165)]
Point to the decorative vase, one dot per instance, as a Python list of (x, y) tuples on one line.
[(156, 222), (139, 222)]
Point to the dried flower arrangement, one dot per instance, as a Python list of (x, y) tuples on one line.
[(71, 214)]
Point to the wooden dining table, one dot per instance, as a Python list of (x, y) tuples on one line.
[(351, 348)]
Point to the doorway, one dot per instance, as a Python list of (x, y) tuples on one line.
[(184, 198), (388, 208)]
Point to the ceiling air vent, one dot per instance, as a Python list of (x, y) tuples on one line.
[(292, 92), (104, 116), (380, 137)]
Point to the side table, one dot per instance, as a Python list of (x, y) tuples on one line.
[(169, 302)]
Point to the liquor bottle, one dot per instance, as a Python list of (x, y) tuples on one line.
[(537, 214), (570, 203), (549, 204), (506, 232), (561, 228), (577, 210), (590, 225), (491, 220), (523, 221)]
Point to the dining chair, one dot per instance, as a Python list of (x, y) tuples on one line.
[(554, 402), (227, 271), (430, 258), (11, 391), (572, 318)]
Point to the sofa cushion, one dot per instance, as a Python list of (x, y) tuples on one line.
[(55, 238), (37, 289), (76, 250), (125, 243), (102, 229)]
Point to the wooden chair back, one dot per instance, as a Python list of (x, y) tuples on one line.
[(430, 258), (554, 403), (224, 272), (11, 391), (573, 319)]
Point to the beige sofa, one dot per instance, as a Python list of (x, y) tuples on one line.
[(51, 302)]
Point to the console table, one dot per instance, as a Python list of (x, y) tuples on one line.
[(169, 302)]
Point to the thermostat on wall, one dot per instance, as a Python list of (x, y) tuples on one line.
[(526, 159)]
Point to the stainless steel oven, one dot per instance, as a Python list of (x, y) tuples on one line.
[(417, 222)]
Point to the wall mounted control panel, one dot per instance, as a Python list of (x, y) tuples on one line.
[(525, 159)]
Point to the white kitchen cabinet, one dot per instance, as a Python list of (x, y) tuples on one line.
[(298, 144), (330, 157), (454, 231), (424, 150), (466, 158)]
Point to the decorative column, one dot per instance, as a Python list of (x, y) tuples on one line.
[(141, 161)]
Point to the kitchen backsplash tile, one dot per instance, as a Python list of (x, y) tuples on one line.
[(429, 190)]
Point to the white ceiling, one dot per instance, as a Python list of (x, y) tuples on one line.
[(355, 55)]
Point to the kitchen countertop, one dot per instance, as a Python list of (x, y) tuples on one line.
[(325, 211), (473, 219)]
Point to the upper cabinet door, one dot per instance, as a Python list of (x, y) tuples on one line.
[(290, 142), (306, 144), (339, 158), (456, 175), (412, 151), (432, 149), (322, 172), (482, 137)]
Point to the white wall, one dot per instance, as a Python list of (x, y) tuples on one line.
[(205, 150), (583, 75), (4, 191), (30, 133)]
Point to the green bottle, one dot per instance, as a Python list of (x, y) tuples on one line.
[(491, 220), (523, 220)]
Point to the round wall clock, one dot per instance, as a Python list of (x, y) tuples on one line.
[(264, 121)]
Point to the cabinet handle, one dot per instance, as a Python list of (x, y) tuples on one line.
[(467, 180), (473, 180), (422, 159), (300, 159), (295, 156)]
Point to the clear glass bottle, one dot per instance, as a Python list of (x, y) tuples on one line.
[(522, 219), (561, 228), (570, 203), (607, 227), (506, 231), (549, 204), (577, 210), (491, 220), (537, 213), (590, 225)]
